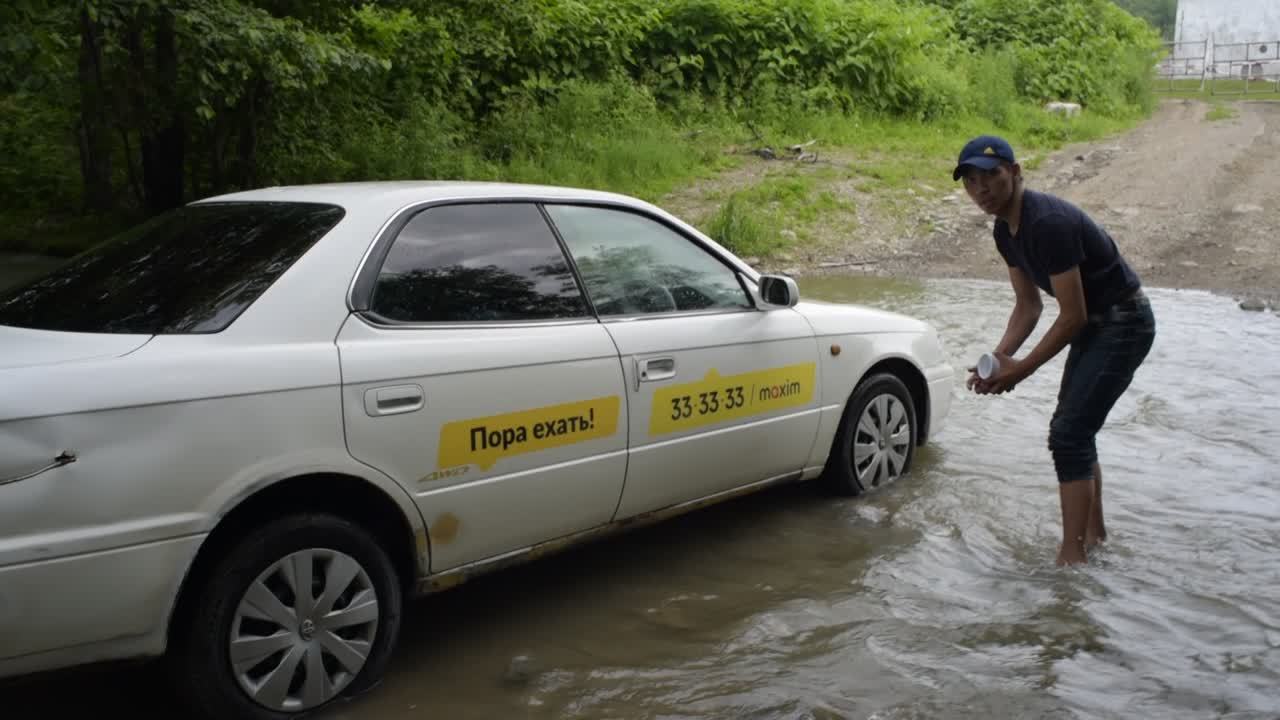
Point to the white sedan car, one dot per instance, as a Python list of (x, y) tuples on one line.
[(240, 434)]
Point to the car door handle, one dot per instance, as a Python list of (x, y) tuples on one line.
[(393, 400), (654, 369)]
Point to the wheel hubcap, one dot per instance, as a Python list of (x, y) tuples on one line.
[(882, 441), (303, 630)]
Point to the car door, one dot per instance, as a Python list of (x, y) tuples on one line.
[(720, 394), (479, 379)]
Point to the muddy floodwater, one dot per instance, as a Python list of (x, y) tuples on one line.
[(933, 598)]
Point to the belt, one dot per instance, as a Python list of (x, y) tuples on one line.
[(1130, 301)]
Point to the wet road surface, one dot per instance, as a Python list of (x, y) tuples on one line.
[(933, 598)]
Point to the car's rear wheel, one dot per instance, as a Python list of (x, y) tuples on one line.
[(299, 613), (875, 443)]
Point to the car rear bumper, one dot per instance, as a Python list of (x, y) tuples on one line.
[(89, 608)]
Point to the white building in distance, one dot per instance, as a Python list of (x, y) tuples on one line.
[(1226, 38)]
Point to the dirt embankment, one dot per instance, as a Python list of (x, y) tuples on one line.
[(1193, 203)]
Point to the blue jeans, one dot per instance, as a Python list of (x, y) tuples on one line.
[(1099, 368)]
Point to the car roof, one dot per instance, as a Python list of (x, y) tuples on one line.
[(402, 192), (387, 197)]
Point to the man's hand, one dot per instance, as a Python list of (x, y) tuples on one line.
[(1006, 378), (974, 381), (1011, 373)]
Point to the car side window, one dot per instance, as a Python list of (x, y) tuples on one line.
[(633, 265), (476, 263)]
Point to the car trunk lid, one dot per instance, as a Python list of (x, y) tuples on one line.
[(23, 347)]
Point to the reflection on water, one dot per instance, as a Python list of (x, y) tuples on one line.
[(933, 598)]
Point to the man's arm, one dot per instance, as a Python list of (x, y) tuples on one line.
[(1058, 246), (1025, 315), (1023, 319), (1072, 317)]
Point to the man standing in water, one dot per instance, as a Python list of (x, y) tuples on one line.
[(1051, 245)]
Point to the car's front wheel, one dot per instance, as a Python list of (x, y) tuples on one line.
[(300, 612), (876, 440)]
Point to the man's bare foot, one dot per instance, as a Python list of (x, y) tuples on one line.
[(1072, 554), (1072, 558), (1092, 539)]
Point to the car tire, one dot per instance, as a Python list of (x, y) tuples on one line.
[(860, 458), (232, 606)]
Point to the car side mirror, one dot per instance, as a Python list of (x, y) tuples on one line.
[(778, 291)]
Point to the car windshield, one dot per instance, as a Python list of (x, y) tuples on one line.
[(191, 270)]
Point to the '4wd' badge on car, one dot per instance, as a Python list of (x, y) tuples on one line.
[(717, 399), (484, 441)]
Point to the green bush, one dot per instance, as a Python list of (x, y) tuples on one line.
[(993, 85), (601, 93), (610, 135), (37, 142), (883, 56), (1088, 51)]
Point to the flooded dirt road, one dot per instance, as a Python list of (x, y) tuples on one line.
[(934, 598), (1190, 195)]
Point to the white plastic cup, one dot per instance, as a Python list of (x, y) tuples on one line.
[(988, 365)]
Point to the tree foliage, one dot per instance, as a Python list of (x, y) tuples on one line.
[(1086, 50), (1161, 14), (141, 105)]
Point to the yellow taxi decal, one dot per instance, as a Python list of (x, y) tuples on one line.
[(484, 441), (718, 399)]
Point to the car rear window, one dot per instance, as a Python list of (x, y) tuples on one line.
[(191, 270)]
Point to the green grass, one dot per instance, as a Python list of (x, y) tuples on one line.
[(895, 154), (746, 229), (887, 156), (771, 215), (797, 196), (1220, 111)]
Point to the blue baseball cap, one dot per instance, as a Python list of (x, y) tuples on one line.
[(985, 152)]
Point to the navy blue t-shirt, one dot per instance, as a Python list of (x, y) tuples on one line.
[(1055, 236)]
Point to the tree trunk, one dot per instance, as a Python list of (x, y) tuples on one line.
[(219, 132), (164, 137), (92, 129), (251, 109)]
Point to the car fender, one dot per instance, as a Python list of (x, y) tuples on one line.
[(262, 475), (848, 359)]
